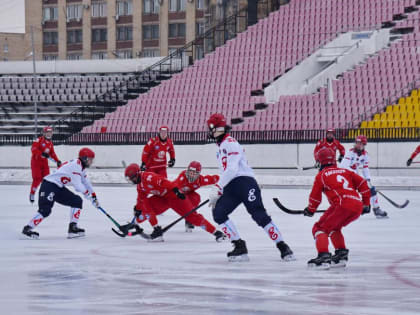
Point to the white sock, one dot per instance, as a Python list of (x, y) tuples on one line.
[(374, 201), (273, 232), (38, 217), (230, 230), (74, 215)]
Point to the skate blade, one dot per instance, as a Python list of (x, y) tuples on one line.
[(381, 217), (340, 264), (220, 239), (156, 240), (323, 266), (75, 235), (289, 257), (188, 230), (27, 237), (241, 258)]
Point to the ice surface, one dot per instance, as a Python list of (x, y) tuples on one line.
[(189, 272)]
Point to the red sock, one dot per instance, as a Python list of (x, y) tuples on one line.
[(322, 242), (337, 239)]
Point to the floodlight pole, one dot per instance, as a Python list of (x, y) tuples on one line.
[(35, 82)]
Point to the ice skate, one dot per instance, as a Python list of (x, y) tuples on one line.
[(380, 214), (239, 252), (31, 198), (157, 235), (74, 231), (339, 259), (27, 231), (322, 262), (285, 251), (188, 227), (220, 236)]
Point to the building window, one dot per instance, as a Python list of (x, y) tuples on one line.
[(50, 38), (74, 12), (74, 36), (124, 54), (99, 35), (99, 9), (151, 6), (50, 57), (199, 30), (6, 48), (124, 33), (176, 30), (199, 4), (50, 14), (199, 52), (150, 32), (125, 7), (150, 53), (176, 5), (74, 56), (99, 55)]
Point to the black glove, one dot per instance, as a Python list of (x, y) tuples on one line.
[(136, 212), (340, 158), (307, 213), (179, 194), (317, 164), (59, 163), (143, 167), (171, 163), (45, 155), (409, 161), (157, 231), (366, 209)]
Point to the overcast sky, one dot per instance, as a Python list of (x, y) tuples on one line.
[(12, 16)]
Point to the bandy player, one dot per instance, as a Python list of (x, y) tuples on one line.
[(342, 188), (53, 189), (237, 185), (356, 158)]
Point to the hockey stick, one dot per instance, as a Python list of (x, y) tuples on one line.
[(113, 221), (304, 168), (393, 202), (126, 227), (290, 211), (166, 228)]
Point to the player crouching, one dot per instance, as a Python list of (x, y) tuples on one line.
[(53, 190), (341, 187)]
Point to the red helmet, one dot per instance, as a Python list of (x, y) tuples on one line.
[(163, 128), (362, 139), (326, 156), (330, 130), (47, 129), (86, 153), (216, 120), (194, 166), (132, 173)]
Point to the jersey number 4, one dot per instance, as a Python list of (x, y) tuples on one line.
[(341, 179)]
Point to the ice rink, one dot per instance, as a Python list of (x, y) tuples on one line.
[(189, 273)]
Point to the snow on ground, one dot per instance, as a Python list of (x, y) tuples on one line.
[(189, 273)]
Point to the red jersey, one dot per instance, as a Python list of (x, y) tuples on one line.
[(153, 184), (334, 145), (43, 145), (186, 187), (414, 154), (154, 152), (338, 184)]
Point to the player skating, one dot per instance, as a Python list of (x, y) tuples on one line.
[(53, 189), (332, 143), (237, 185), (356, 158), (154, 153), (165, 195), (341, 187), (42, 149), (413, 156)]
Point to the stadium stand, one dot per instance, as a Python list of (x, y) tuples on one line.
[(226, 80)]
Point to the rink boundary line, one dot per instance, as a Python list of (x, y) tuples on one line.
[(393, 271)]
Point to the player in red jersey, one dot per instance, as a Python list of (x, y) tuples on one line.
[(190, 180), (165, 195), (413, 156), (330, 142), (42, 149), (342, 188), (153, 158)]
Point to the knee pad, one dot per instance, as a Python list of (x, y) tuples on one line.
[(219, 216), (261, 218), (78, 202), (45, 211)]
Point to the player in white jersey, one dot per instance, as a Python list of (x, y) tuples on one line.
[(237, 185), (357, 158), (53, 189)]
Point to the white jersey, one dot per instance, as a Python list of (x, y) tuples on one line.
[(71, 173), (232, 161), (353, 161)]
